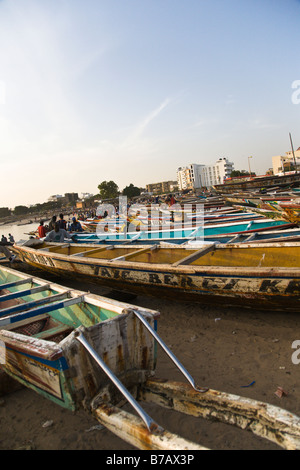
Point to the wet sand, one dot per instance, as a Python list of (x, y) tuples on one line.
[(244, 352)]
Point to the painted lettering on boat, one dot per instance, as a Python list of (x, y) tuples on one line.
[(293, 287), (151, 278), (269, 285)]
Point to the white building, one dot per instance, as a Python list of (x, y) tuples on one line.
[(189, 177), (197, 176)]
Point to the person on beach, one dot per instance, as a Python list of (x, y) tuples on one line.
[(11, 238), (3, 239), (58, 235), (52, 223), (5, 250), (62, 223), (75, 225), (42, 230)]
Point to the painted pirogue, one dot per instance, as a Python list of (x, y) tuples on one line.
[(83, 351), (264, 276)]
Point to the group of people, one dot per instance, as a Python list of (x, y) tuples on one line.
[(59, 229), (10, 239), (3, 248)]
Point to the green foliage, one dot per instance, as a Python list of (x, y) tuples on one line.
[(4, 211), (108, 189), (20, 210), (131, 191), (236, 173)]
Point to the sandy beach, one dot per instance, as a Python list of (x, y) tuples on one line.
[(239, 351)]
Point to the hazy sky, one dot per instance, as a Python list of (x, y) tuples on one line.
[(129, 90)]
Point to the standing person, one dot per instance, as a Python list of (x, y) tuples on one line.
[(41, 230), (52, 223), (75, 226), (61, 222), (58, 235)]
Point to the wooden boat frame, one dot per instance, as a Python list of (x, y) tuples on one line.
[(79, 352)]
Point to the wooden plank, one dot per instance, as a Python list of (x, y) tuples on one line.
[(23, 293), (16, 283), (54, 247), (36, 311), (192, 257), (94, 250), (134, 253), (91, 251), (26, 322), (131, 429), (34, 303), (58, 329), (265, 420)]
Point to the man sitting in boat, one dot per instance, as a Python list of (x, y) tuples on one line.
[(58, 235), (42, 232), (75, 226)]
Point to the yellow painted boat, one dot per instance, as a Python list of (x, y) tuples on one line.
[(264, 276)]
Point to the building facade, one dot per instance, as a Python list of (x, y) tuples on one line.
[(282, 164), (197, 176), (161, 188)]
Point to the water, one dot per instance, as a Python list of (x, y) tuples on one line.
[(19, 232)]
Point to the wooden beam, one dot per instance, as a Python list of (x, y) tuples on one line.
[(195, 255), (134, 253)]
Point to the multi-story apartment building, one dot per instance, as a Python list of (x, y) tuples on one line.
[(196, 176), (282, 164)]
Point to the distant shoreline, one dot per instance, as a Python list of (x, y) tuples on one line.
[(24, 220)]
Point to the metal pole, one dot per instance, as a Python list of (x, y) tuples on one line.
[(169, 353), (150, 423), (293, 153), (249, 167)]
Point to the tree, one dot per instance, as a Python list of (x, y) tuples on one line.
[(244, 173), (4, 211), (108, 189), (21, 210), (131, 191)]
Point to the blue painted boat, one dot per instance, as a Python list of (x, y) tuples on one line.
[(184, 234)]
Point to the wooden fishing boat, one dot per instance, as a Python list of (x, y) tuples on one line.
[(185, 232), (250, 184), (256, 236), (264, 276), (292, 210), (87, 352)]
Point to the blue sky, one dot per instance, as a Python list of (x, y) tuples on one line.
[(129, 90)]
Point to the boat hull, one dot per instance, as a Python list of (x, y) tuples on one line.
[(256, 286), (39, 346)]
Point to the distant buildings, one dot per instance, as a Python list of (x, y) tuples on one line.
[(282, 164), (161, 188), (197, 176), (68, 198)]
